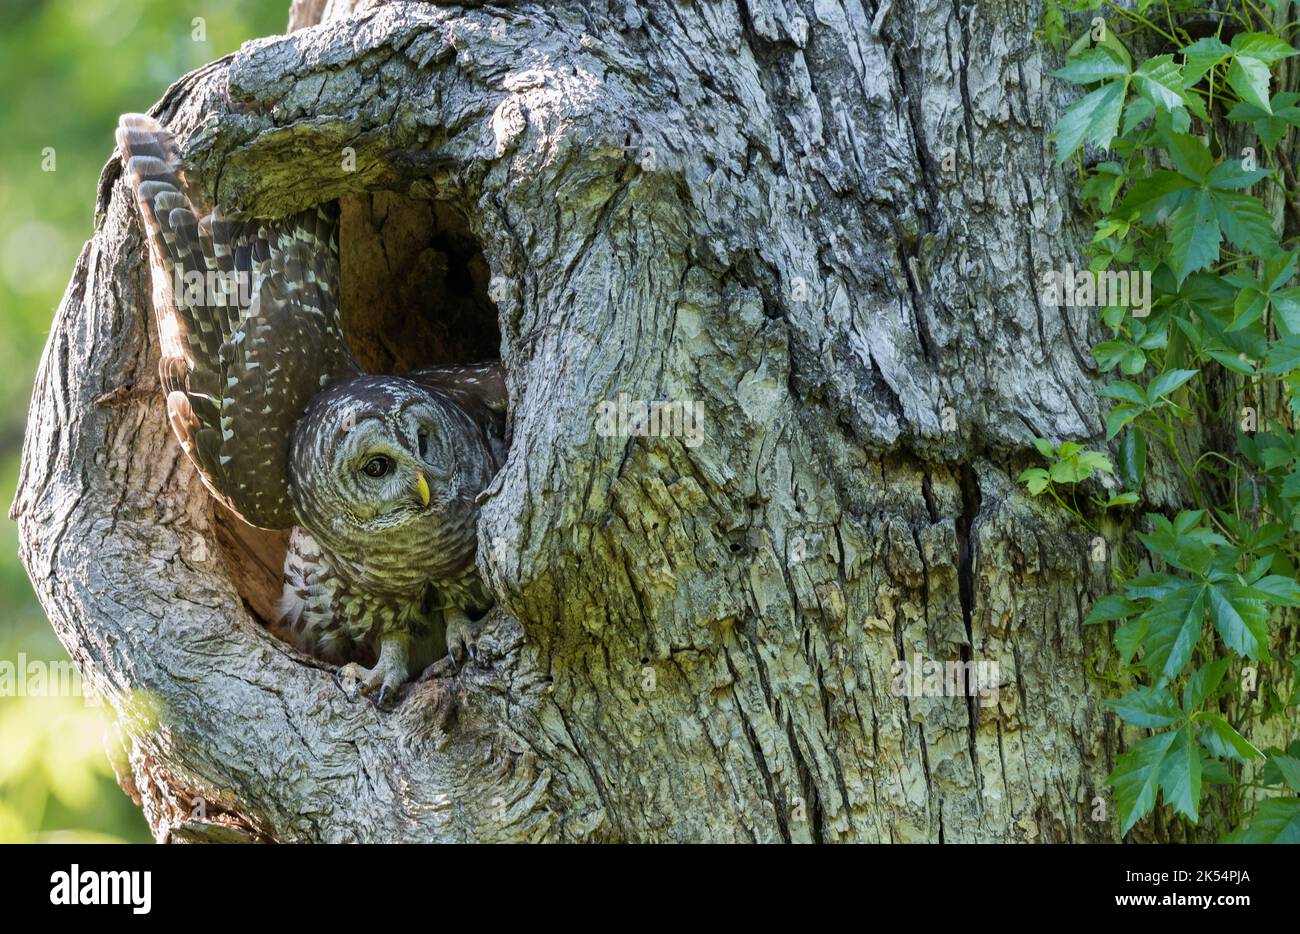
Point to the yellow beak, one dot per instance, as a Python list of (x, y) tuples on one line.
[(422, 487)]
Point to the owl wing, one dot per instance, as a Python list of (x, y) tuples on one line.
[(480, 383), (248, 320), (480, 389)]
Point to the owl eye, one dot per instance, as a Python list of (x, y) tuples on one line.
[(377, 466), (423, 440)]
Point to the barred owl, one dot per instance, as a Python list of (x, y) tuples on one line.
[(377, 476)]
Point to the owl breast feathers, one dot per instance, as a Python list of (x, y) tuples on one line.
[(377, 476)]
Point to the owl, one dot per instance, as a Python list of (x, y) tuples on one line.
[(378, 477)]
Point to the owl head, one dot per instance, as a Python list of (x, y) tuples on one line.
[(376, 473)]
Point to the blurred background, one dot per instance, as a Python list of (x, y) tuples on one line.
[(67, 69)]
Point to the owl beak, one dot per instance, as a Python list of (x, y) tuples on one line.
[(422, 488)]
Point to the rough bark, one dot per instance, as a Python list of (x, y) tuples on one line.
[(744, 204)]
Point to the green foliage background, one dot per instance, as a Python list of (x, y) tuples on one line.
[(1202, 619), (67, 69)]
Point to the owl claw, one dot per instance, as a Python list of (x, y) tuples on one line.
[(385, 692), (350, 689), (462, 638), (386, 677), (470, 650)]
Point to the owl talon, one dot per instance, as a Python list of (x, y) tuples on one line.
[(386, 677), (462, 637), (350, 679)]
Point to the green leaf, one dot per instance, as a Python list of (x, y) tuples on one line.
[(1110, 607), (1155, 193), (1125, 391), (1272, 774), (1136, 111), (1282, 591), (1066, 472), (1248, 76), (1096, 64), (1272, 128), (1291, 484), (1155, 586), (1095, 118), (1202, 684), (1180, 774), (1173, 630), (1132, 459), (1133, 362), (1129, 638), (1136, 778), (1097, 461), (1035, 479), (1215, 772), (1247, 309), (1103, 184), (1223, 741), (1244, 220), (1233, 175), (1276, 820), (1166, 383), (1286, 305), (1118, 417), (1044, 447), (1261, 45), (1148, 707), (1279, 268), (1288, 768), (1190, 156), (1283, 356), (1231, 361), (1193, 235), (1200, 57), (1160, 81), (1191, 552), (1241, 619), (1111, 41), (1110, 353)]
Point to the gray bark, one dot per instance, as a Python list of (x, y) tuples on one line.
[(741, 204)]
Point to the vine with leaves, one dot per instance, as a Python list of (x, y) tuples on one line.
[(1194, 144)]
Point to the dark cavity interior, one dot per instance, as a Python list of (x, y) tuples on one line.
[(415, 284)]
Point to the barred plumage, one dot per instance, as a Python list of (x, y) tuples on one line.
[(377, 475)]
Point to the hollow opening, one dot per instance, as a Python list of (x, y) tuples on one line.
[(414, 292), (414, 284)]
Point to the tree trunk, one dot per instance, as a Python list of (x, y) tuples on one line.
[(824, 223)]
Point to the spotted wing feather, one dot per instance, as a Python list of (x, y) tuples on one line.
[(248, 319)]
